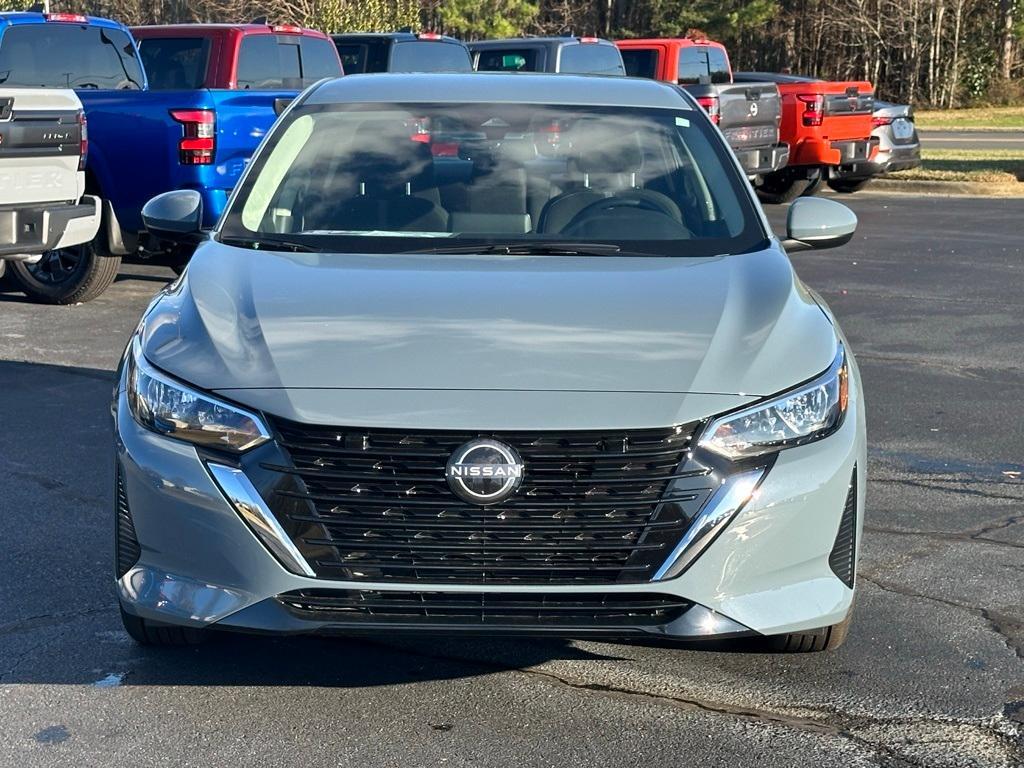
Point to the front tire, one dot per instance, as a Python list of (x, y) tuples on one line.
[(67, 275), (146, 632), (813, 640), (782, 187), (848, 186)]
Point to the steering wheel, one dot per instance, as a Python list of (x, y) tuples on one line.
[(608, 204)]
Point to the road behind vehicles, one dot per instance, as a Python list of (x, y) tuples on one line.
[(363, 52), (43, 146), (828, 127), (427, 409), (747, 114), (899, 147), (212, 101), (569, 55)]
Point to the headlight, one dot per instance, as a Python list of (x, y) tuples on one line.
[(809, 412), (169, 407)]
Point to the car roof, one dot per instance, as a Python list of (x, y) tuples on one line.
[(16, 18), (403, 36), (500, 87), (245, 29), (644, 42), (777, 77), (521, 42)]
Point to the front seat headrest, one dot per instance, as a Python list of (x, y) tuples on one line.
[(603, 147)]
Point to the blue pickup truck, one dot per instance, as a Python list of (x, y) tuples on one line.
[(184, 107)]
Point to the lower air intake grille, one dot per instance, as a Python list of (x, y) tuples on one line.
[(505, 609), (843, 557), (593, 507), (126, 544)]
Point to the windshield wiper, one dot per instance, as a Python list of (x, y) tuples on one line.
[(516, 248), (268, 244)]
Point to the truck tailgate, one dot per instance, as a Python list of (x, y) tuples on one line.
[(749, 114), (848, 108), (40, 142)]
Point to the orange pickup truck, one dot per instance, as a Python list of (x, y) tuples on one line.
[(828, 128)]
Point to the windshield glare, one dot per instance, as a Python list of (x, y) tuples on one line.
[(397, 178)]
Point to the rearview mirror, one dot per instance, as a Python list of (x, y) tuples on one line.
[(815, 222), (176, 216)]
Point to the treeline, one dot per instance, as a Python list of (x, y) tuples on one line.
[(928, 52)]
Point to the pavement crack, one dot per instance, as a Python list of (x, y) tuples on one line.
[(29, 623), (941, 485), (961, 536), (820, 721), (1011, 630)]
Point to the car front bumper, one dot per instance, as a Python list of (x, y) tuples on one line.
[(767, 572)]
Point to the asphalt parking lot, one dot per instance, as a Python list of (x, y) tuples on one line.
[(930, 294)]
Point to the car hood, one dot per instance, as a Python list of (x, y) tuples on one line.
[(243, 320)]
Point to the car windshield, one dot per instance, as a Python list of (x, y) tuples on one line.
[(498, 177)]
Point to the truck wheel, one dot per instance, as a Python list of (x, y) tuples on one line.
[(146, 632), (778, 188), (67, 276), (812, 187), (813, 640), (848, 186)]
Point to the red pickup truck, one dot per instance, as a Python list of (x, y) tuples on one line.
[(748, 114), (828, 127)]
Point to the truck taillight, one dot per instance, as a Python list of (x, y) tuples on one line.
[(814, 108), (286, 29), (429, 36), (198, 140), (710, 103), (83, 143), (67, 18)]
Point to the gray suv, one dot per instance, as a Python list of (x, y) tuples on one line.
[(490, 354), (570, 55)]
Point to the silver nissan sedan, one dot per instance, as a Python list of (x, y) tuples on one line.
[(491, 353)]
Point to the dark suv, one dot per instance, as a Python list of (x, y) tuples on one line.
[(575, 55), (401, 52)]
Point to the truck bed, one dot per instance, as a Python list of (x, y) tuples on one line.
[(134, 153)]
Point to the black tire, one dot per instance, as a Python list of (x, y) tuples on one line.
[(813, 185), (813, 640), (146, 632), (67, 276), (779, 188), (848, 186)]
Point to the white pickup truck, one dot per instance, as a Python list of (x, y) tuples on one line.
[(44, 216)]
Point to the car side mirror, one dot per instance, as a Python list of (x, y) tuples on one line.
[(176, 216), (816, 222), (281, 104)]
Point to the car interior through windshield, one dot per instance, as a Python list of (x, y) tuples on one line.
[(487, 172)]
